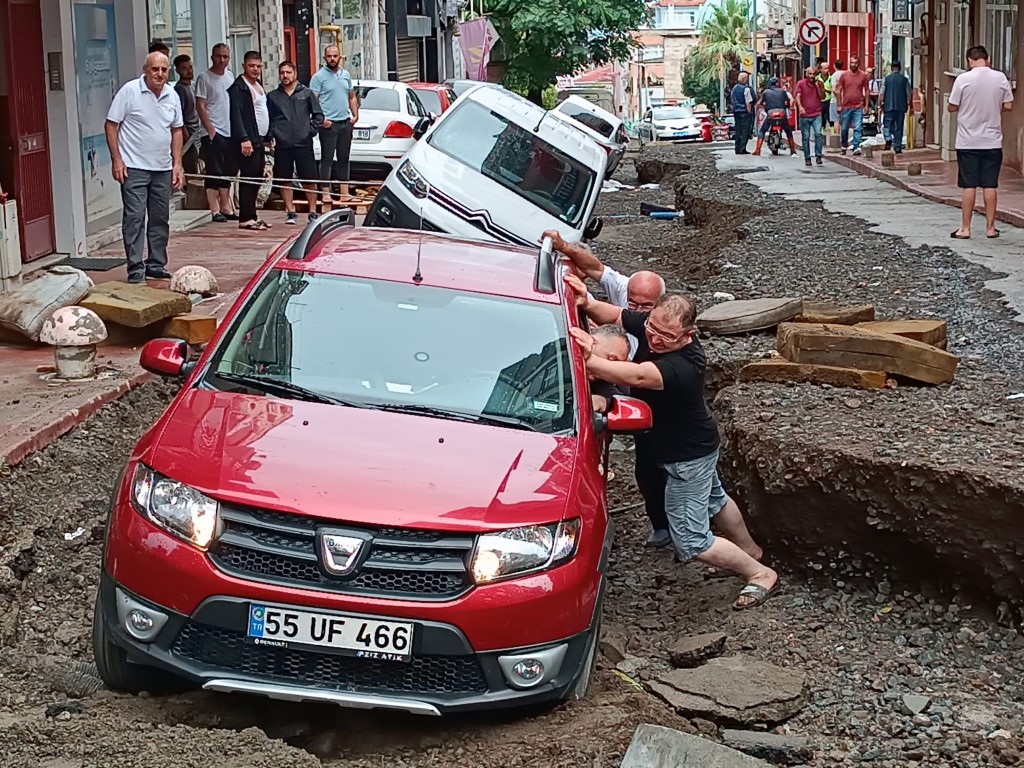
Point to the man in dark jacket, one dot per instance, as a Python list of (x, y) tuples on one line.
[(742, 99), (295, 117), (250, 129), (775, 101), (895, 97)]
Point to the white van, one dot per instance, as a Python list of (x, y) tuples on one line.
[(600, 124), (496, 167)]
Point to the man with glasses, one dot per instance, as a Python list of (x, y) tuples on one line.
[(667, 373)]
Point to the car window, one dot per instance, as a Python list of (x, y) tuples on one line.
[(431, 100), (383, 343), (672, 113), (516, 158), (383, 99), (416, 104), (587, 118), (452, 96)]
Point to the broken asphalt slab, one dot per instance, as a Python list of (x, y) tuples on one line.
[(780, 749), (654, 746)]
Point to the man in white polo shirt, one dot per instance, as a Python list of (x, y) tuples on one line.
[(144, 134)]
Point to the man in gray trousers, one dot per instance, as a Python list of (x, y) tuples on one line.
[(144, 134)]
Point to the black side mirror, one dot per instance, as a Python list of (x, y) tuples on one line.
[(593, 228), (421, 127)]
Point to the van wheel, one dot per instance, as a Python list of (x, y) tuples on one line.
[(119, 674), (583, 684)]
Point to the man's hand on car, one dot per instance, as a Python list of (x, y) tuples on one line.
[(584, 340), (578, 289), (557, 243)]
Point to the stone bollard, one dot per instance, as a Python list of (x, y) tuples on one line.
[(867, 151), (888, 159), (913, 169), (833, 141)]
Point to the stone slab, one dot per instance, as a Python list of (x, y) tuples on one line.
[(654, 746), (823, 312), (775, 748), (734, 689), (748, 315), (694, 650), (193, 328), (931, 332), (783, 371), (844, 346), (135, 306)]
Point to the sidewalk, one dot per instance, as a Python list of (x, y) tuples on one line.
[(34, 411), (937, 181)]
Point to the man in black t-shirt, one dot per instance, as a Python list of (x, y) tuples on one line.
[(667, 373)]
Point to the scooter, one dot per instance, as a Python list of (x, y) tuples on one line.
[(775, 131)]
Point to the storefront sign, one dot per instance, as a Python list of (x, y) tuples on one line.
[(901, 10)]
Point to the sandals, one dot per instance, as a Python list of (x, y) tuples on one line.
[(255, 226), (759, 594), (955, 236), (994, 235)]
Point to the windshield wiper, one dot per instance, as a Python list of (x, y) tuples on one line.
[(475, 418), (286, 388)]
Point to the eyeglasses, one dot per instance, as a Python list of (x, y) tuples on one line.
[(652, 331), (637, 306)]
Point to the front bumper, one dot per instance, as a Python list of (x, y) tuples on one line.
[(444, 676), (388, 210), (683, 135)]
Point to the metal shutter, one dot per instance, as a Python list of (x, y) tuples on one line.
[(408, 55)]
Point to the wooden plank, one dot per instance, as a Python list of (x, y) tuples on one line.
[(823, 312), (777, 371), (135, 306), (932, 332), (193, 328), (748, 315), (846, 346)]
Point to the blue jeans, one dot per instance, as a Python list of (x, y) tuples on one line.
[(693, 495), (856, 118), (892, 129), (810, 125)]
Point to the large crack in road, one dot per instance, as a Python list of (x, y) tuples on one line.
[(866, 631)]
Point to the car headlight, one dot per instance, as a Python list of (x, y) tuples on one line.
[(411, 179), (518, 551), (177, 508)]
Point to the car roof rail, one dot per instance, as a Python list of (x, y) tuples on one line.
[(544, 277), (318, 229)]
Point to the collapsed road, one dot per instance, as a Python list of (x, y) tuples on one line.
[(894, 643)]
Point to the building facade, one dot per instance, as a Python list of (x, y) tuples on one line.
[(656, 70)]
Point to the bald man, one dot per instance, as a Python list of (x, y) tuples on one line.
[(332, 85), (144, 136)]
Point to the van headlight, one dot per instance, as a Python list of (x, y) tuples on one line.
[(518, 551), (177, 508), (411, 179)]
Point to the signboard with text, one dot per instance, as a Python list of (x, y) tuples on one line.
[(901, 10)]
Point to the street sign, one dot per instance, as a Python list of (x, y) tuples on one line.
[(747, 62), (901, 10), (812, 31)]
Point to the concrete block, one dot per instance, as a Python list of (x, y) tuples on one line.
[(867, 151), (134, 305), (888, 159), (193, 328), (913, 168), (834, 142)]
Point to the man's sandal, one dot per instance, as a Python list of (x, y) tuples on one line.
[(759, 594)]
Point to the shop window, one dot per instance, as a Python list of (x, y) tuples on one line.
[(959, 34), (999, 23), (242, 19), (171, 22)]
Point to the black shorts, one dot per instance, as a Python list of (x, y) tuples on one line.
[(978, 168), (219, 157), (295, 162)]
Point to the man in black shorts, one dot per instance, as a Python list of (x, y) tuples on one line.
[(295, 117)]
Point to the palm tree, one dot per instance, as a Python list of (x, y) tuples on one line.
[(724, 33)]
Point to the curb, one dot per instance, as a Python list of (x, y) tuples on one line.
[(881, 174), (68, 420)]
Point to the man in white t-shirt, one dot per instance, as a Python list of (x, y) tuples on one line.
[(979, 97), (833, 113), (144, 136), (211, 90), (250, 134)]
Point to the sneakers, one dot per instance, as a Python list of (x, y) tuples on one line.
[(856, 151), (219, 218), (291, 218), (807, 162), (312, 216), (818, 159), (136, 279), (888, 145), (659, 539), (842, 151), (158, 273)]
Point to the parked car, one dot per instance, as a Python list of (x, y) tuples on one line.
[(436, 97), (600, 124), (461, 86), (391, 118), (497, 167), (669, 123), (379, 486)]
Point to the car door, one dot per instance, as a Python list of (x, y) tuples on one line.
[(646, 129)]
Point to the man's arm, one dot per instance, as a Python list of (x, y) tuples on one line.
[(954, 97), (580, 255), (177, 141), (865, 94), (639, 375), (353, 105), (1007, 96), (118, 169), (316, 118), (601, 312), (799, 103)]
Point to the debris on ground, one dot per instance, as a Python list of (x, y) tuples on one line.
[(654, 746), (748, 315)]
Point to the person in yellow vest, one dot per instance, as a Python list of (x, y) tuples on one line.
[(826, 81)]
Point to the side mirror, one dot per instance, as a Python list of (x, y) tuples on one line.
[(166, 357), (421, 127), (628, 414), (593, 228)]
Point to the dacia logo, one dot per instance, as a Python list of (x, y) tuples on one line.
[(340, 553)]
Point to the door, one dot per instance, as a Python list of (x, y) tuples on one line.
[(408, 50), (29, 146)]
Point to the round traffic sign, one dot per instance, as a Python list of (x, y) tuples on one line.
[(812, 31)]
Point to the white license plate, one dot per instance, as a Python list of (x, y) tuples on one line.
[(362, 134), (283, 627)]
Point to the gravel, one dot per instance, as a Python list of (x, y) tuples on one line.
[(868, 634)]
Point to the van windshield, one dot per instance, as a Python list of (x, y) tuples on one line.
[(516, 158)]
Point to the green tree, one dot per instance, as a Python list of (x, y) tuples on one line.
[(702, 92), (724, 38), (543, 39)]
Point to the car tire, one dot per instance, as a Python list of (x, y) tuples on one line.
[(119, 674)]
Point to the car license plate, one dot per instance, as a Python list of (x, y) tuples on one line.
[(363, 134), (284, 627)]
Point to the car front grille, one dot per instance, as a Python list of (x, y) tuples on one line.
[(228, 650), (281, 548)]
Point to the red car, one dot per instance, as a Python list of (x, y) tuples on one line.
[(436, 97), (379, 486)]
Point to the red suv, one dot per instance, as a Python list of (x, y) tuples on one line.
[(379, 486)]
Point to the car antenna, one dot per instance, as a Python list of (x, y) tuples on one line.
[(417, 275), (537, 126)]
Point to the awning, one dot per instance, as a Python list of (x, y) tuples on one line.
[(784, 52)]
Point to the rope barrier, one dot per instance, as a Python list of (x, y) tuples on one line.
[(266, 183)]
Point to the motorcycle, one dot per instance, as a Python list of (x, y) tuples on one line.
[(775, 118)]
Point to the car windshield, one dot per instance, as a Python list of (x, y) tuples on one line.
[(382, 99), (398, 346), (672, 113), (516, 158), (431, 100), (587, 118)]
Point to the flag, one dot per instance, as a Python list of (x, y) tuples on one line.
[(478, 39)]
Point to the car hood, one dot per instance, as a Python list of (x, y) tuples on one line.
[(363, 466)]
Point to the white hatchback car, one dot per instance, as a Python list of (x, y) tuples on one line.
[(669, 123), (600, 124), (391, 119)]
